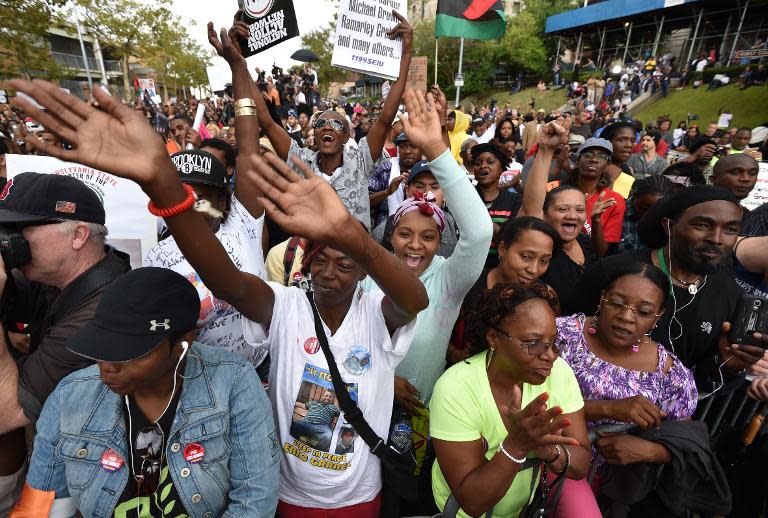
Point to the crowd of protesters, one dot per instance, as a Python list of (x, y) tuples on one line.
[(391, 309)]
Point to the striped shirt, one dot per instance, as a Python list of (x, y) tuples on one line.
[(319, 413)]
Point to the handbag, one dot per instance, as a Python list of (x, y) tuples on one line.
[(397, 467), (539, 506)]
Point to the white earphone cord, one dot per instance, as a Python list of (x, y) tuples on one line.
[(184, 349)]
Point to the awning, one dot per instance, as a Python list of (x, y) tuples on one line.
[(607, 10)]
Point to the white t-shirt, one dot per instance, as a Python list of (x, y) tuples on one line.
[(320, 467), (219, 323), (396, 198)]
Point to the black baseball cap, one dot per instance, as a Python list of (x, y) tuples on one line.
[(31, 197), (136, 312), (200, 168)]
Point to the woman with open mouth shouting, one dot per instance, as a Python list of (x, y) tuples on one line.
[(565, 209), (418, 224)]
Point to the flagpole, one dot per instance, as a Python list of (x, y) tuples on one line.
[(461, 58), (436, 46)]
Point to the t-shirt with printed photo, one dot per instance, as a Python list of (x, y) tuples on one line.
[(219, 324), (325, 463)]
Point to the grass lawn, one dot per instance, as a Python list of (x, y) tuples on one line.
[(749, 107), (548, 100)]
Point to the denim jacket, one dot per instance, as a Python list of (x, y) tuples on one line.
[(222, 406)]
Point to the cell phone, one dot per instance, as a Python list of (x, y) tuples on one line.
[(751, 317)]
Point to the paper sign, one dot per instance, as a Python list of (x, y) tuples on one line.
[(725, 120), (270, 22), (132, 229), (759, 194), (361, 43), (417, 73), (385, 88)]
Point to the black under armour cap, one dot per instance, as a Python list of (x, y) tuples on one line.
[(200, 167), (30, 197), (136, 312)]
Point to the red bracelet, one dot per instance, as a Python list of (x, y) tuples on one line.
[(176, 209)]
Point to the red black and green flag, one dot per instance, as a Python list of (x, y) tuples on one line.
[(471, 19)]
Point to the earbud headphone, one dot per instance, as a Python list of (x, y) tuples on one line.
[(184, 349)]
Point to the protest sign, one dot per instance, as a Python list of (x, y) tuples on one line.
[(759, 194), (132, 229), (270, 22), (361, 43), (417, 73)]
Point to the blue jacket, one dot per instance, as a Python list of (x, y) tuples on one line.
[(222, 406)]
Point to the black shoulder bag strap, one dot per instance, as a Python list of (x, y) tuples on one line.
[(352, 413), (102, 274)]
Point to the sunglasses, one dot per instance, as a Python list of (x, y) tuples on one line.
[(333, 123), (149, 448)]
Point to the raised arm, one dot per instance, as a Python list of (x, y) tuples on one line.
[(378, 132), (276, 134), (247, 124), (310, 207), (550, 137), (117, 140), (423, 130)]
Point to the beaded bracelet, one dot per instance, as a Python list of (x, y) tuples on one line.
[(509, 455), (176, 209)]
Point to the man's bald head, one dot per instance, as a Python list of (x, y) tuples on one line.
[(737, 173)]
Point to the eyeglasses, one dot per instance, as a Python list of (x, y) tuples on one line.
[(615, 305), (601, 157), (335, 124), (532, 347), (149, 447)]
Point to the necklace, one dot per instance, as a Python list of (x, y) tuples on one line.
[(693, 286)]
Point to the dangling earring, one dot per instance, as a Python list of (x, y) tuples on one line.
[(592, 329), (490, 357)]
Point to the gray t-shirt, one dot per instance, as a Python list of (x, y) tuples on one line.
[(350, 179)]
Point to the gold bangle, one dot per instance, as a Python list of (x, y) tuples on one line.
[(245, 102), (245, 111)]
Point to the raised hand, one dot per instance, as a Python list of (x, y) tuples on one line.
[(404, 29), (307, 207), (441, 103), (601, 205), (534, 426), (113, 137), (227, 45), (554, 134), (422, 126)]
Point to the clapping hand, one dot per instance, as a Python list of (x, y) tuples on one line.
[(422, 126), (534, 426), (113, 137), (601, 205), (307, 207)]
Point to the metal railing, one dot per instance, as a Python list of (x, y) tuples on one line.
[(75, 61)]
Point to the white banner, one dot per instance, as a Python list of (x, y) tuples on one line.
[(759, 194), (132, 229), (361, 43)]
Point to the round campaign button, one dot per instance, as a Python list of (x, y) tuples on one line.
[(111, 460), (311, 345), (194, 453)]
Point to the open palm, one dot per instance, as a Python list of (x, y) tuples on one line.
[(422, 126), (112, 138), (307, 207)]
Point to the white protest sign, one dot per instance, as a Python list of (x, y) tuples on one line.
[(759, 194), (361, 43), (725, 120), (132, 229)]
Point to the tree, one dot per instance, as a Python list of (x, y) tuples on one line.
[(24, 47), (124, 26), (320, 41)]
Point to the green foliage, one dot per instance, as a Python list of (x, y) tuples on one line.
[(24, 49), (320, 41)]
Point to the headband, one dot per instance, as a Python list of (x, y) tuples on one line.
[(425, 204)]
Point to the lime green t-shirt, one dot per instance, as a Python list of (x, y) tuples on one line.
[(463, 409), (623, 184)]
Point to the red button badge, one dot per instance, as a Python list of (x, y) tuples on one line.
[(111, 460), (194, 453)]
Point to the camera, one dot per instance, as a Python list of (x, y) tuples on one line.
[(720, 151), (693, 116), (14, 249)]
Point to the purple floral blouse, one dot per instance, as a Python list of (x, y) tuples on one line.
[(674, 392)]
